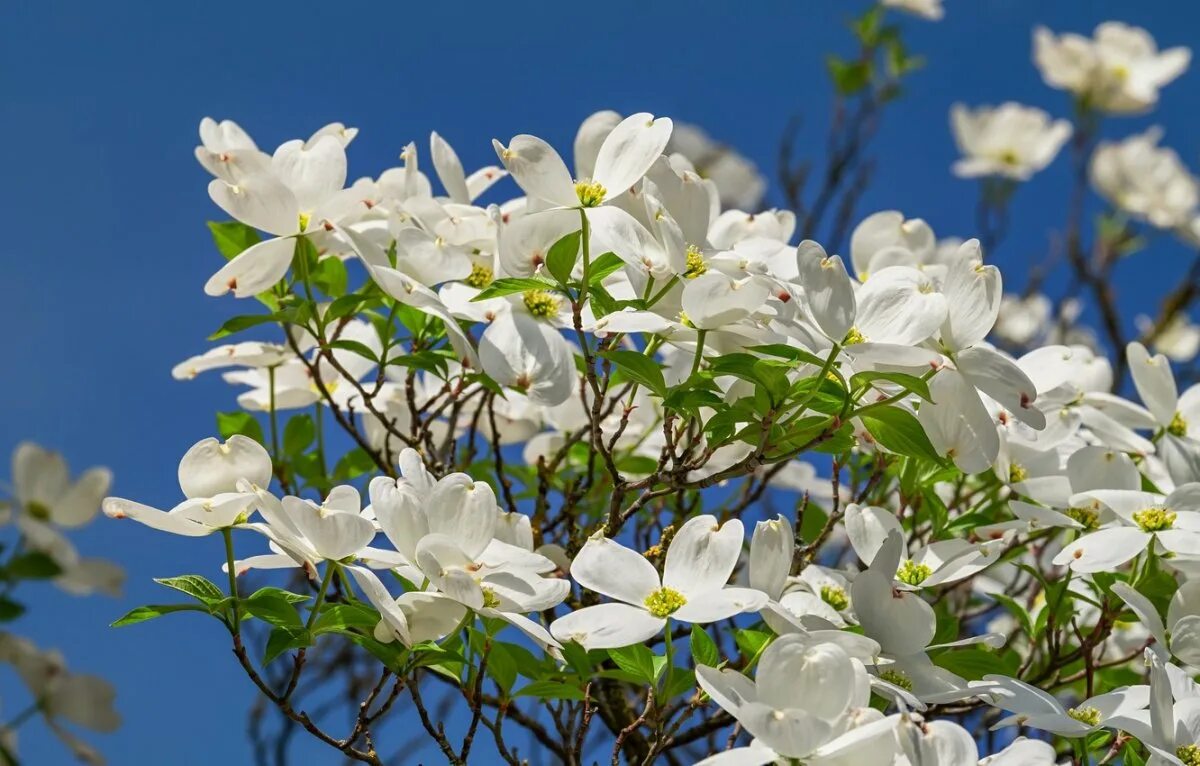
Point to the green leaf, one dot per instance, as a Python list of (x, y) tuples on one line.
[(639, 368), (511, 285), (33, 565), (356, 347), (502, 667), (899, 431), (330, 276), (286, 595), (149, 612), (751, 642), (282, 639), (606, 264), (239, 323), (298, 434), (975, 663), (199, 588), (788, 352), (638, 661), (231, 423), (849, 77), (704, 649), (679, 681), (550, 690), (340, 618), (1017, 611), (9, 609), (274, 609), (910, 383), (232, 237), (560, 261)]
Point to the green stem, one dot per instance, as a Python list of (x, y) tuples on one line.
[(330, 568), (585, 236), (699, 350), (236, 627)]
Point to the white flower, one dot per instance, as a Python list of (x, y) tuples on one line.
[(1120, 71), (808, 702), (520, 352), (739, 182), (1143, 518), (1178, 340), (1177, 416), (211, 475), (298, 196), (1145, 180), (1030, 706), (887, 238), (1180, 637), (926, 9), (43, 489), (627, 152), (699, 561), (1009, 140)]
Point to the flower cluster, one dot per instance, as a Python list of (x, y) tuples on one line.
[(45, 505), (638, 370)]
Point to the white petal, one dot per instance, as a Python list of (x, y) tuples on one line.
[(449, 169), (629, 151), (261, 201), (1154, 381), (712, 606), (523, 353), (900, 621), (463, 510), (256, 269), (210, 467), (771, 551), (313, 173), (538, 169), (1104, 550), (702, 555), (607, 626), (957, 423), (334, 535), (973, 293), (610, 569), (828, 288)]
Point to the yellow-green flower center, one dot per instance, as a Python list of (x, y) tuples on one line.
[(1088, 517), (685, 320), (1010, 158), (480, 277), (305, 218), (834, 596), (1189, 754), (590, 193), (1178, 426), (541, 303), (1017, 473), (1088, 715), (490, 599), (853, 337), (896, 678), (38, 511), (664, 602), (913, 573), (695, 263), (1154, 519)]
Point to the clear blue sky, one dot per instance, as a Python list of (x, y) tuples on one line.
[(105, 250)]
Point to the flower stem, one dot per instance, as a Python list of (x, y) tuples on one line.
[(236, 625)]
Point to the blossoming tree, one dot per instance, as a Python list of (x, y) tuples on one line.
[(522, 458)]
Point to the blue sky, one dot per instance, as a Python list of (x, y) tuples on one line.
[(106, 251)]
